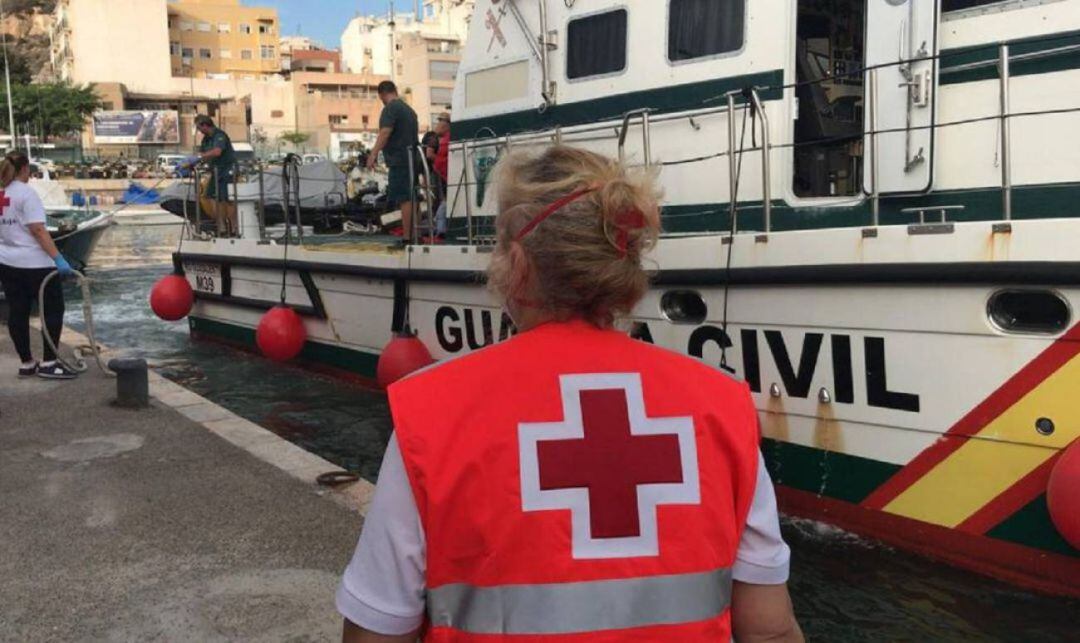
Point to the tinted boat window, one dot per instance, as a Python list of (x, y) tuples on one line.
[(957, 5), (596, 45), (1029, 311), (700, 28)]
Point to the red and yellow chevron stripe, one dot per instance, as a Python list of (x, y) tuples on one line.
[(992, 462)]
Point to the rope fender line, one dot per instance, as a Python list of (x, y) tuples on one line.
[(82, 351)]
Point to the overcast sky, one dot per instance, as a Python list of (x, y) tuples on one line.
[(324, 20)]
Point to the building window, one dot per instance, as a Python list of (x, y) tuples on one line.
[(174, 49), (277, 113), (702, 28), (225, 54), (266, 29), (443, 70), (266, 52), (187, 52), (224, 27), (339, 119), (205, 54), (172, 22), (245, 54), (365, 120), (596, 45), (245, 28), (204, 26), (441, 96), (186, 25)]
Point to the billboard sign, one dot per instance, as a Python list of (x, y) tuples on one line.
[(134, 127)]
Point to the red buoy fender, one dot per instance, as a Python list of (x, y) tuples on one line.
[(1063, 494), (171, 298), (281, 334), (404, 354)]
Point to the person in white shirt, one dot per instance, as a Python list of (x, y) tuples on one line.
[(27, 256)]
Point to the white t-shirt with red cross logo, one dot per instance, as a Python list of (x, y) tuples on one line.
[(20, 206)]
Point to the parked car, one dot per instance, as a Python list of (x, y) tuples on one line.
[(167, 162)]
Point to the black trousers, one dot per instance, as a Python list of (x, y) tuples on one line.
[(21, 287)]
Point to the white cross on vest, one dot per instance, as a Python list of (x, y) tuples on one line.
[(609, 464)]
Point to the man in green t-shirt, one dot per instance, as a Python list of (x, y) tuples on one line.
[(399, 134), (216, 150)]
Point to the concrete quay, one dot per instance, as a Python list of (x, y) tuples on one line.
[(179, 522)]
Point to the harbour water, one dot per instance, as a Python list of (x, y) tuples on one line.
[(845, 588)]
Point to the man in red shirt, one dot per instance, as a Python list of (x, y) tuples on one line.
[(442, 168)]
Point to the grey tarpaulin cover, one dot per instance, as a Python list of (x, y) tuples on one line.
[(317, 181)]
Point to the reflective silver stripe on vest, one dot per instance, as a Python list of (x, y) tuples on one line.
[(567, 608)]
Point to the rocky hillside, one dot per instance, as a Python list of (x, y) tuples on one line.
[(26, 26)]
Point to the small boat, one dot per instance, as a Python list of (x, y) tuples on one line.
[(327, 197), (77, 232)]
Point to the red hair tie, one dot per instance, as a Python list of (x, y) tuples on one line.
[(627, 221), (552, 209)]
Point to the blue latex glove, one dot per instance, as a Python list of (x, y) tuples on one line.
[(63, 267)]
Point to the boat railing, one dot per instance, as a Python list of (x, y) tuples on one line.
[(646, 135), (1003, 115)]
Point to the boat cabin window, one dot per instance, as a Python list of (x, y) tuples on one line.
[(704, 28), (959, 5), (596, 45), (829, 55)]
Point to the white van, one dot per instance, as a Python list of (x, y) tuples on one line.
[(168, 162)]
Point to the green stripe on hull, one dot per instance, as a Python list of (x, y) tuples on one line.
[(1029, 202), (1051, 61), (849, 478), (662, 100), (829, 473), (1032, 526), (352, 361)]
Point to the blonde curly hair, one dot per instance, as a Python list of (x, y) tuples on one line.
[(585, 259)]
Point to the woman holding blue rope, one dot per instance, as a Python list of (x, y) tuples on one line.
[(27, 256)]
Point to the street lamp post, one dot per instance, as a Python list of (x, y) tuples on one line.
[(7, 81)]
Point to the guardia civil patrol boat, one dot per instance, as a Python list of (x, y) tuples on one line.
[(872, 215)]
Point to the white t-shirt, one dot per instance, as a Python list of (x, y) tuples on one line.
[(383, 587), (20, 206)]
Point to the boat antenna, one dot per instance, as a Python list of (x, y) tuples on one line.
[(7, 81)]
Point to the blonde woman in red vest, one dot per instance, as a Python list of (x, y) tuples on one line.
[(571, 484)]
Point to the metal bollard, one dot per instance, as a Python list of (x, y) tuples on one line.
[(132, 382)]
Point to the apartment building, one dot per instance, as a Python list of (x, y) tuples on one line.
[(419, 52), (426, 71), (372, 44), (223, 39), (335, 109), (113, 41)]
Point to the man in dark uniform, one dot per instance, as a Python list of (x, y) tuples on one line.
[(399, 132), (217, 151)]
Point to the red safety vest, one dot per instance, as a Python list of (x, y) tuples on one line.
[(575, 484)]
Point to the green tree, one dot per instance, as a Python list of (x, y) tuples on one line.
[(51, 110), (296, 139)]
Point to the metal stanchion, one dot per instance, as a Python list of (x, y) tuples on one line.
[(875, 195), (766, 172), (198, 199), (1006, 134), (732, 167), (262, 203)]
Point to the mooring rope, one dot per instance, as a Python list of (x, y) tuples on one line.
[(82, 351)]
